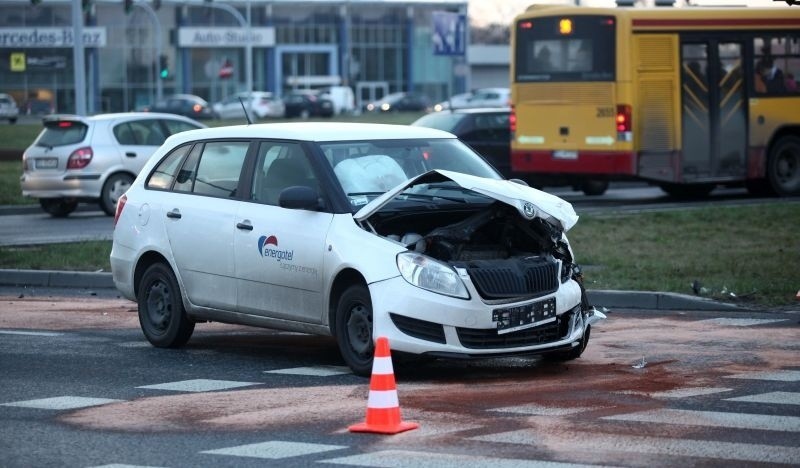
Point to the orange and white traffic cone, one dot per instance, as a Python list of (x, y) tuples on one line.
[(383, 408)]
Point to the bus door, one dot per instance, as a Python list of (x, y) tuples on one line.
[(713, 111)]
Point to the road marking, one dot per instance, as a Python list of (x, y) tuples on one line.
[(274, 449), (539, 410), (409, 459), (316, 371), (121, 465), (61, 403), (29, 333), (740, 322), (773, 398), (713, 419), (781, 376), (650, 445), (199, 385), (689, 392)]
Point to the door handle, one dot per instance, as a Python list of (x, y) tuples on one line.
[(244, 226), (130, 154), (174, 214)]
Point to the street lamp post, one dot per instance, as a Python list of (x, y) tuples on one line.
[(248, 46), (78, 63), (157, 28)]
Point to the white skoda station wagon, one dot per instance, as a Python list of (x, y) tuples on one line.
[(350, 230)]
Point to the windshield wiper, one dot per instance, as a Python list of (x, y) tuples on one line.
[(431, 197), (354, 194)]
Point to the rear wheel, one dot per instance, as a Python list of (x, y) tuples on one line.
[(58, 207), (783, 166), (687, 191), (354, 329), (161, 314), (594, 187), (113, 189)]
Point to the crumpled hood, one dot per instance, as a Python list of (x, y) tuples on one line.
[(530, 202)]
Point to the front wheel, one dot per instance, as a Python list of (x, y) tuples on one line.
[(575, 352), (354, 329), (783, 166), (594, 187), (58, 207), (113, 189), (161, 314)]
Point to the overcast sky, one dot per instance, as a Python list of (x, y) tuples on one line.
[(483, 12)]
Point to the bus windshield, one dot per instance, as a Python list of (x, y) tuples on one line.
[(576, 48)]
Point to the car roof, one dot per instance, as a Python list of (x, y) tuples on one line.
[(113, 116), (313, 131), (480, 110)]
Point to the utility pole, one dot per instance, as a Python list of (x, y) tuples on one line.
[(78, 62)]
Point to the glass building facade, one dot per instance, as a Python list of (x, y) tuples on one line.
[(375, 47)]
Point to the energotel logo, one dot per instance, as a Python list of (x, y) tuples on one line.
[(268, 247)]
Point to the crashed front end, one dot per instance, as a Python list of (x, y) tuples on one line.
[(481, 280)]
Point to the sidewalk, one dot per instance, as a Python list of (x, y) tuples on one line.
[(644, 300)]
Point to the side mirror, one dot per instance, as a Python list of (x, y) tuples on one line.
[(299, 197)]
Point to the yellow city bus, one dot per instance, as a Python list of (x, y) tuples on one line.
[(686, 98)]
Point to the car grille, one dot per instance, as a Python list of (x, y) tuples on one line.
[(421, 329), (476, 338), (529, 277)]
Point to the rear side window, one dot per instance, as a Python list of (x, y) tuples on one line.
[(164, 174), (140, 132), (219, 169), (178, 126), (62, 133)]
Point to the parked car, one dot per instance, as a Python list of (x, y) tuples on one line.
[(352, 230), (487, 131), (400, 102), (261, 105), (187, 105), (307, 103), (92, 159), (8, 108), (481, 97)]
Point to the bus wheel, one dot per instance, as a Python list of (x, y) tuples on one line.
[(594, 187), (687, 191), (783, 166)]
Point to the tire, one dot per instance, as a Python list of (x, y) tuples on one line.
[(161, 314), (12, 120), (113, 189), (353, 329), (58, 207), (574, 353), (783, 166), (594, 187), (687, 191)]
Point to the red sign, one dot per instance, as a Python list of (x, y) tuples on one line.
[(226, 70)]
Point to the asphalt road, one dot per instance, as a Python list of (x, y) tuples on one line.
[(80, 387), (32, 226)]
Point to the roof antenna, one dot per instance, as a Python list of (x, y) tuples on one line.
[(246, 115)]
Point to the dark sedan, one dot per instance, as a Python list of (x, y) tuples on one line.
[(187, 105), (400, 102), (307, 103), (486, 130)]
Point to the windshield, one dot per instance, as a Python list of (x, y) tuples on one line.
[(577, 48), (366, 169), (61, 133)]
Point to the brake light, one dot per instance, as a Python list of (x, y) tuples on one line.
[(120, 206), (624, 123), (512, 121), (64, 124), (80, 158), (526, 25), (197, 108)]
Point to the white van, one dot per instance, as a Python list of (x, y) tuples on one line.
[(342, 97)]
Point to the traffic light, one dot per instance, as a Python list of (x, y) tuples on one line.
[(128, 5), (86, 5), (163, 67)]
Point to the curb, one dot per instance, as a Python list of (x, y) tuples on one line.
[(647, 300)]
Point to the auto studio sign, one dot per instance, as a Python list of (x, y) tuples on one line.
[(225, 37)]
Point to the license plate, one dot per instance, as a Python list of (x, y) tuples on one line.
[(565, 154), (46, 163), (526, 316)]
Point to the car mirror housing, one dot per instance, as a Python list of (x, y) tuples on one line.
[(299, 197)]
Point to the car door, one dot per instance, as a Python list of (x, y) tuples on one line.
[(280, 251), (137, 141), (201, 214)]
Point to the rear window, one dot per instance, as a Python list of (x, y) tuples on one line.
[(62, 133), (569, 48)]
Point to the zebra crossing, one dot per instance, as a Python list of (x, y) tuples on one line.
[(604, 441)]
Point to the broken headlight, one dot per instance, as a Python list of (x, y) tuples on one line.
[(426, 273)]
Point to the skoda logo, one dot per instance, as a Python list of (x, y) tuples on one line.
[(529, 210)]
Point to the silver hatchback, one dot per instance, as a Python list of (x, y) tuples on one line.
[(93, 159)]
